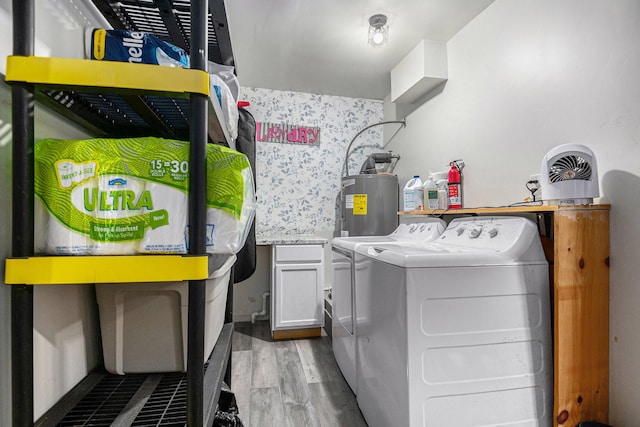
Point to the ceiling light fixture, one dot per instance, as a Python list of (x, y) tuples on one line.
[(378, 30)]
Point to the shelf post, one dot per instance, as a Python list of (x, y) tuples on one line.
[(197, 217), (22, 104)]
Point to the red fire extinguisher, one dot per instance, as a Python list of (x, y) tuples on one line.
[(455, 184)]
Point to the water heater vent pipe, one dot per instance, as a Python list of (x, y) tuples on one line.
[(346, 158)]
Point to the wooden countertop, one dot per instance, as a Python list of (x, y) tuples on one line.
[(506, 209)]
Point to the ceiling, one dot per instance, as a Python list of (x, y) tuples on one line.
[(320, 46)]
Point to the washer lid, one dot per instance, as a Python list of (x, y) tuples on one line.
[(431, 255), (351, 243), (467, 242), (425, 231)]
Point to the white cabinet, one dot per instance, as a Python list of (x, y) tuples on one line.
[(297, 290), (297, 287)]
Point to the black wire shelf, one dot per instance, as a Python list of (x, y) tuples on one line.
[(140, 400), (170, 21)]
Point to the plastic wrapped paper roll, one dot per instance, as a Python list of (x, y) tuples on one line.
[(133, 47), (170, 215), (116, 203), (128, 196), (231, 203)]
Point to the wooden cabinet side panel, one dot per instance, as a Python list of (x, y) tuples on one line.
[(581, 316)]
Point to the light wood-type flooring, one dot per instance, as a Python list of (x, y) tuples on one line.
[(289, 383)]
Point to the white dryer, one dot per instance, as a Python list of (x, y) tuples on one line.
[(456, 332), (343, 289)]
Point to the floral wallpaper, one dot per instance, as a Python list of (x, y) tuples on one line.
[(298, 185)]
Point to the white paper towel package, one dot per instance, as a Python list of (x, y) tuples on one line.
[(129, 196), (168, 239)]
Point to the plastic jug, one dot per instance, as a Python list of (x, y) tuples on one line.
[(413, 195), (443, 194), (430, 193)]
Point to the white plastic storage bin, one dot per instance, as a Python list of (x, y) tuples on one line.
[(144, 325)]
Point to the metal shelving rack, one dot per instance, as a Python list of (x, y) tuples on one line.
[(120, 108)]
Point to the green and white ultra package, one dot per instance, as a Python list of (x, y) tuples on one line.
[(130, 196)]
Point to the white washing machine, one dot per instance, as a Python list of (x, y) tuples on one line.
[(456, 332), (343, 289)]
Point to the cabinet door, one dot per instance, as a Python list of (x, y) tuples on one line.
[(298, 290)]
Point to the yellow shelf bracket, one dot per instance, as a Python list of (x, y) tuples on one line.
[(59, 270), (106, 76)]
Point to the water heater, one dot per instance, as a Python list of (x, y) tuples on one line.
[(369, 204)]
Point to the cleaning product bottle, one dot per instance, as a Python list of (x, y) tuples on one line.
[(443, 194), (455, 186), (413, 196), (430, 193)]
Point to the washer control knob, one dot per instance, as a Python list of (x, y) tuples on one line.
[(460, 230), (412, 228), (493, 232), (475, 232)]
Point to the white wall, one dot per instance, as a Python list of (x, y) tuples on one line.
[(66, 336), (525, 76)]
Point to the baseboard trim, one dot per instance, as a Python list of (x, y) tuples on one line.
[(287, 334)]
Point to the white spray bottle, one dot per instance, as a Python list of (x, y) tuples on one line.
[(443, 194)]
